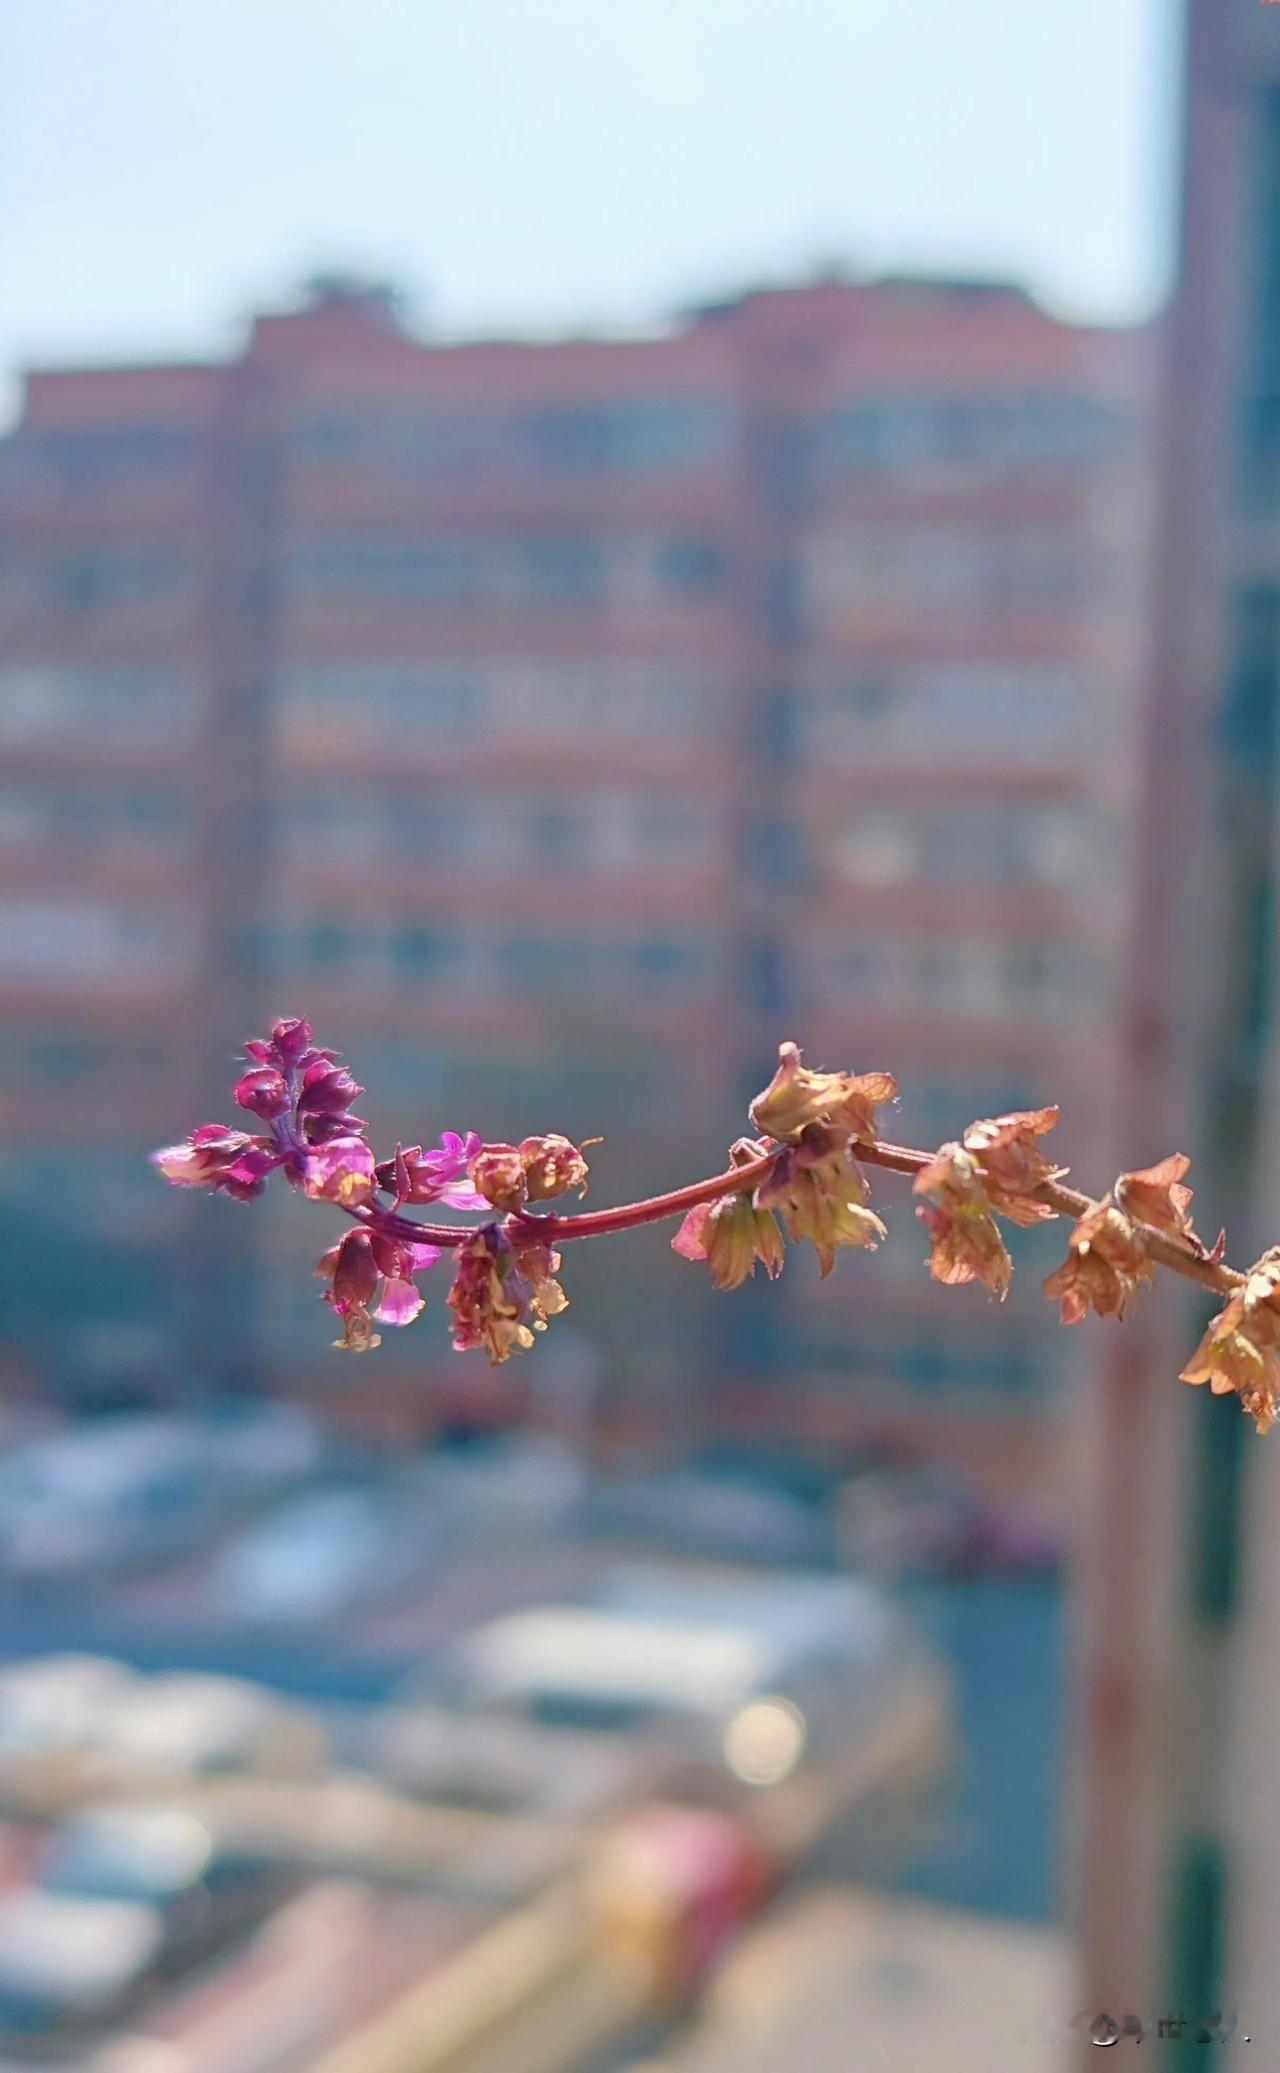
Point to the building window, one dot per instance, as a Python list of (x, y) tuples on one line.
[(74, 940), (690, 568), (327, 945), (420, 955), (977, 434), (947, 712), (99, 457), (993, 845), (113, 579), (563, 572)]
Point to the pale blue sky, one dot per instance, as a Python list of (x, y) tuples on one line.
[(166, 165)]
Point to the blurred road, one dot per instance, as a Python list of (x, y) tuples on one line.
[(834, 1978)]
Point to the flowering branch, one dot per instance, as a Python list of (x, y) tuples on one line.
[(799, 1177)]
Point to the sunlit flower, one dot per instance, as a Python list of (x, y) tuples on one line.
[(291, 1038), (964, 1239), (507, 1176), (552, 1166), (224, 1161), (1011, 1163), (1241, 1349), (370, 1275), (796, 1097), (822, 1193), (352, 1273), (502, 1295), (416, 1177), (1106, 1265), (498, 1176), (537, 1266), (1155, 1196), (341, 1171), (731, 1235)]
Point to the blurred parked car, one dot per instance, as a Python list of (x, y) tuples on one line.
[(107, 1496), (505, 1766), (264, 1446), (927, 1522), (333, 1549), (73, 1727), (746, 1679), (517, 1488), (688, 1513), (51, 1714), (186, 1724), (125, 1898)]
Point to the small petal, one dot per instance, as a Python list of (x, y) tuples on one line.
[(400, 1304), (795, 1097), (690, 1240), (1155, 1196)]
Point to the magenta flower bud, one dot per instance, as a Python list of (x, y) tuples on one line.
[(212, 1157), (198, 1162), (264, 1092), (319, 1130), (328, 1088), (290, 1037)]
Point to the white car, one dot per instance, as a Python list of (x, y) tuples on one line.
[(745, 1678), (187, 1724), (51, 1716), (332, 1550), (58, 1702)]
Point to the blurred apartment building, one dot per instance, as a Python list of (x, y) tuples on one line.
[(560, 726), (1181, 1865)]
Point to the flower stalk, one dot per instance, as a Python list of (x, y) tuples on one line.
[(798, 1179)]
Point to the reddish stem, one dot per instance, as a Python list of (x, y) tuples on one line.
[(598, 1223), (628, 1216)]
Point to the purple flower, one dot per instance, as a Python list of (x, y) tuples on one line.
[(417, 1177), (224, 1161), (340, 1171), (361, 1264)]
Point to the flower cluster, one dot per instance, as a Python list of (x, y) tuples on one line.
[(996, 1166), (503, 1293), (371, 1275), (1108, 1254), (796, 1097), (798, 1178), (1241, 1349), (507, 1176), (803, 1170), (304, 1097)]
